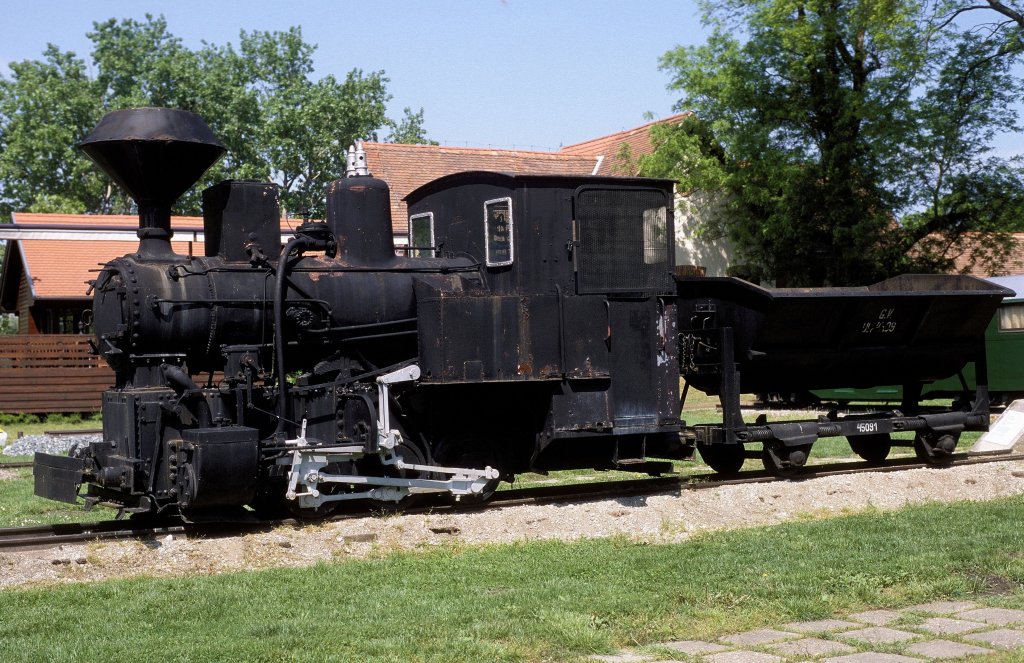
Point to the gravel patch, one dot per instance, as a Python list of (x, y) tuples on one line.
[(654, 519), (48, 444)]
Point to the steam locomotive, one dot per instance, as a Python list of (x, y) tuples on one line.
[(536, 324)]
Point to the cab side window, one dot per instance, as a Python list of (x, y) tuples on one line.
[(498, 228), (421, 235)]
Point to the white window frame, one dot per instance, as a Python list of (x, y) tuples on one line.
[(655, 222), (487, 235), (412, 242), (1009, 318)]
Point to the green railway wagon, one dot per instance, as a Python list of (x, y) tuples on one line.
[(1004, 350)]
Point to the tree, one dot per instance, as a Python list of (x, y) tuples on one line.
[(303, 127), (409, 130), (1003, 29), (824, 126), (46, 107), (259, 98)]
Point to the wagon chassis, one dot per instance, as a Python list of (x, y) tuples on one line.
[(786, 445)]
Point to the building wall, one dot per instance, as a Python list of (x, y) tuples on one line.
[(714, 255), (26, 325)]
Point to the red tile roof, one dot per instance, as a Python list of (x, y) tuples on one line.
[(61, 268), (620, 152), (127, 221), (973, 256), (407, 167)]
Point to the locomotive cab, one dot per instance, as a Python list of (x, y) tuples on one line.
[(579, 305)]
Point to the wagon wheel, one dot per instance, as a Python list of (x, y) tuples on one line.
[(461, 452), (783, 461), (935, 448), (726, 459), (872, 448)]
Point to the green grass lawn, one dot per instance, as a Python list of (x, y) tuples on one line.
[(33, 425), (18, 505), (532, 601)]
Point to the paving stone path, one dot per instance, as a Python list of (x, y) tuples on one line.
[(928, 632)]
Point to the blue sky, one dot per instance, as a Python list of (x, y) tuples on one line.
[(531, 74)]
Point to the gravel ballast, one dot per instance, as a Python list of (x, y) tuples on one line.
[(654, 519), (28, 445)]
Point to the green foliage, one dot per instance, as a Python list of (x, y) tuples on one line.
[(14, 418), (47, 106), (820, 125), (8, 323), (259, 97), (409, 130), (64, 418)]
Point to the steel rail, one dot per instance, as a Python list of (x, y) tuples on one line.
[(48, 536), (75, 431), (676, 483), (16, 464)]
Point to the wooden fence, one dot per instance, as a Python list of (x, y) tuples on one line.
[(42, 373)]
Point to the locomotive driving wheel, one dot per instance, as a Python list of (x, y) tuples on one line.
[(872, 448), (412, 453), (784, 461), (327, 509), (726, 459), (464, 452)]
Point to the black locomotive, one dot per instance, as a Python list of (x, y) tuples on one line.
[(537, 326)]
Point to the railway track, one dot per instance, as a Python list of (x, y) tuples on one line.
[(654, 485), (48, 536), (75, 431)]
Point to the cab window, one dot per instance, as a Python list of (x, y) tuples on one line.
[(498, 227), (421, 235)]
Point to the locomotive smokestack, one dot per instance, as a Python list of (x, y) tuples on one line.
[(155, 154)]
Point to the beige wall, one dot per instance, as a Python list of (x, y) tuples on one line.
[(712, 254)]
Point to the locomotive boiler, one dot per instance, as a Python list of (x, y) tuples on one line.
[(535, 323)]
